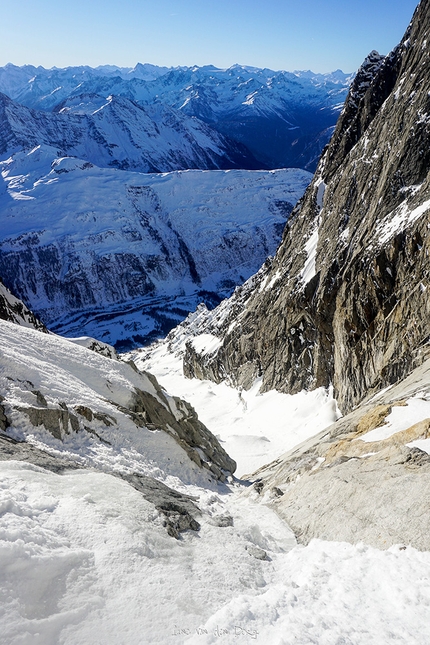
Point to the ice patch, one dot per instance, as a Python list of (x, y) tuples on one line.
[(399, 219), (206, 344)]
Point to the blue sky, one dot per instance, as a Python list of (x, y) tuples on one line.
[(321, 35)]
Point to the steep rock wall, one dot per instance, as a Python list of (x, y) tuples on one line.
[(345, 299)]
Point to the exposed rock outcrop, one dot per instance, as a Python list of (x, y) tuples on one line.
[(15, 311), (340, 485), (182, 423), (74, 390), (345, 299)]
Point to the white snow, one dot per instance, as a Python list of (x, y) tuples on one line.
[(321, 186), (84, 559), (206, 344), (422, 444), (399, 219), (253, 428), (401, 418), (66, 373), (311, 245), (230, 88), (309, 269)]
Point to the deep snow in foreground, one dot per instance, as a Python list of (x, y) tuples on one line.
[(85, 559)]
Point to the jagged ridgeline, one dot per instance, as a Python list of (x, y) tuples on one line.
[(345, 300)]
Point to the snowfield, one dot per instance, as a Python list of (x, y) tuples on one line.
[(253, 428), (85, 559)]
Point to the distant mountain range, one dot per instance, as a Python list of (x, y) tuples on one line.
[(283, 118), (92, 244), (116, 132)]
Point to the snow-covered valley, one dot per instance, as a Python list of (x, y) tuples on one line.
[(133, 261)]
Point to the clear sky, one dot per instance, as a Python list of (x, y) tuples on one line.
[(322, 35)]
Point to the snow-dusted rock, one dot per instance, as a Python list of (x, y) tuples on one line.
[(346, 485), (64, 398), (14, 310)]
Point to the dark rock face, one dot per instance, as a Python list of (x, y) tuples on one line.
[(14, 310), (345, 299)]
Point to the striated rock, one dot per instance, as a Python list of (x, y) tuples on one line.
[(172, 415), (222, 520), (336, 486), (344, 301), (22, 451), (184, 426), (58, 421), (96, 346)]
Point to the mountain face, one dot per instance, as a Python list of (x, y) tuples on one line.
[(345, 299), (124, 256), (283, 118), (14, 310), (344, 305), (116, 132)]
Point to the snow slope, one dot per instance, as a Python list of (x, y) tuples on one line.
[(254, 428), (84, 244), (85, 558)]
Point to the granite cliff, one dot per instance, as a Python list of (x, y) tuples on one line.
[(344, 301)]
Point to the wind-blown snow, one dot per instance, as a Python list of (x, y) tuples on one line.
[(85, 560)]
